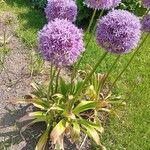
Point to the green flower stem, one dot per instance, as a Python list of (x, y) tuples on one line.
[(73, 75), (91, 22), (4, 46), (88, 77), (57, 80), (86, 33), (50, 87), (147, 12), (110, 70), (100, 15), (129, 62), (89, 39)]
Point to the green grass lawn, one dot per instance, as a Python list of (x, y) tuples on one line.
[(132, 130)]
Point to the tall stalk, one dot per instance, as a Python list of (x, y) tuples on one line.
[(4, 45), (94, 28), (50, 87), (57, 80), (110, 70), (88, 77), (129, 62), (91, 22), (89, 39)]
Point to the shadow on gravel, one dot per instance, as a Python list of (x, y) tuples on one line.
[(11, 136)]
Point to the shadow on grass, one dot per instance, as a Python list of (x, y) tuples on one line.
[(30, 17), (10, 131)]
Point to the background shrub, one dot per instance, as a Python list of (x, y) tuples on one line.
[(39, 3), (84, 13)]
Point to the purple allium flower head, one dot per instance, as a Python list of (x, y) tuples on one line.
[(102, 4), (61, 42), (146, 23), (62, 9), (146, 3), (118, 32)]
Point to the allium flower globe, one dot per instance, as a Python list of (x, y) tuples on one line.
[(102, 4), (61, 42), (118, 32), (146, 3), (146, 23), (62, 9)]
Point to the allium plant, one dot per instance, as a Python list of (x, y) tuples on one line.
[(73, 106), (62, 9), (118, 32), (102, 4), (146, 3), (8, 25), (146, 23), (61, 42)]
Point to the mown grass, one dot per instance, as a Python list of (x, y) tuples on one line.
[(132, 130), (30, 19)]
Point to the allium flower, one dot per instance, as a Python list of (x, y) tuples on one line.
[(62, 9), (102, 4), (119, 31), (146, 3), (8, 22), (61, 42), (146, 23)]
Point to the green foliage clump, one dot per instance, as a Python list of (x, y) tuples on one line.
[(133, 6), (84, 13), (39, 3)]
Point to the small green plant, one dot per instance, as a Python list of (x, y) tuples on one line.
[(8, 24), (39, 3), (84, 13), (63, 113), (36, 63)]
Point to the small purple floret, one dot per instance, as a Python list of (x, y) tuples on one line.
[(118, 32), (146, 23), (146, 3), (102, 4), (61, 42), (62, 9)]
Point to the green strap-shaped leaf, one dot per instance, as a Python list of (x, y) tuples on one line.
[(92, 133), (84, 105), (57, 132), (64, 87), (35, 101), (37, 114), (43, 140), (96, 126), (33, 115), (40, 119), (75, 134)]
